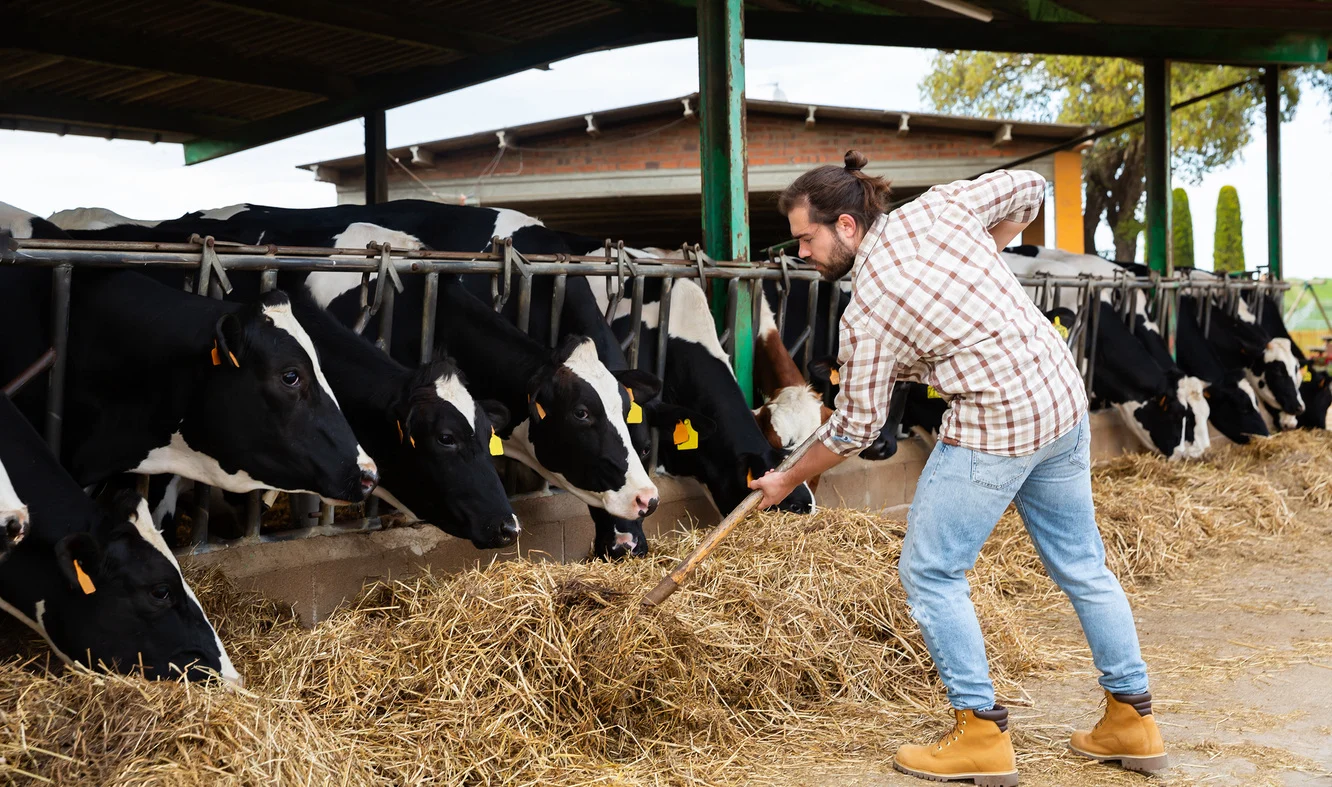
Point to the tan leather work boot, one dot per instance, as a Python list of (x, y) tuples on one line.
[(977, 748), (1127, 732)]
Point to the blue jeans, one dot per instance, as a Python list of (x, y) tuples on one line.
[(960, 497)]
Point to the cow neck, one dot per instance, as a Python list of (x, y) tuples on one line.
[(498, 359)]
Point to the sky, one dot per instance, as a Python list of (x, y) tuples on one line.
[(44, 173)]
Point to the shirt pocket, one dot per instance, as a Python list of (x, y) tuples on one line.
[(998, 472)]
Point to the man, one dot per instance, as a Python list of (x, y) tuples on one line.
[(932, 301)]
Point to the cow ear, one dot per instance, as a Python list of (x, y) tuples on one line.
[(666, 416), (229, 338), (80, 561), (644, 385), (821, 371), (496, 412)]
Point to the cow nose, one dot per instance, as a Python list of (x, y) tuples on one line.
[(15, 529), (647, 504), (369, 480), (509, 531), (626, 544)]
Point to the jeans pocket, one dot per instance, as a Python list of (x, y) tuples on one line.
[(998, 472), (1081, 453)]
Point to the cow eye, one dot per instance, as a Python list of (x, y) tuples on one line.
[(291, 378), (581, 413), (161, 592), (446, 440)]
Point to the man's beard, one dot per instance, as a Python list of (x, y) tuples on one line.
[(840, 262)]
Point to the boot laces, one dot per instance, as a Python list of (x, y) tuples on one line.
[(952, 736)]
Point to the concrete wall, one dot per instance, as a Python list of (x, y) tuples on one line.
[(315, 575)]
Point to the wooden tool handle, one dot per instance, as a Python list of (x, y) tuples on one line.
[(681, 572)]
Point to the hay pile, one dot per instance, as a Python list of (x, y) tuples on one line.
[(791, 645)]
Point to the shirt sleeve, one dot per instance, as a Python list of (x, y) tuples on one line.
[(868, 371), (1001, 196)]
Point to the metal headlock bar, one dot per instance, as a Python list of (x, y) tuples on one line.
[(208, 262)]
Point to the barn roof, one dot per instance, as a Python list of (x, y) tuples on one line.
[(226, 75), (798, 112)]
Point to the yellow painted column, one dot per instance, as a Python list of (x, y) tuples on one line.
[(1068, 201)]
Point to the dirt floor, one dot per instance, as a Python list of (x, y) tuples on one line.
[(1240, 653)]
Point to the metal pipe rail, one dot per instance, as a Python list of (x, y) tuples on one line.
[(212, 260)]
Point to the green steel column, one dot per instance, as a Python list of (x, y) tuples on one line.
[(1272, 86), (1156, 130), (723, 161)]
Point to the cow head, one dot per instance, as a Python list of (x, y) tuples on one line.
[(1191, 392), (267, 415), (576, 429), (13, 516), (438, 469), (823, 378), (791, 415), (117, 598), (617, 538), (1317, 394), (1158, 423), (1234, 409), (1276, 377)]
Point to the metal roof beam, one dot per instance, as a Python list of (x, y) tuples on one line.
[(135, 49), (411, 26), (421, 83), (1098, 40), (78, 111)]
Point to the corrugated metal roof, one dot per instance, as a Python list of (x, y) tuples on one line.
[(231, 74)]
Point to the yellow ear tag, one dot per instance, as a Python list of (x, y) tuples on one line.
[(399, 423), (835, 376), (1059, 326), (685, 437), (411, 440), (635, 415), (496, 445), (541, 411), (749, 476), (1306, 375), (931, 393), (217, 357), (85, 581)]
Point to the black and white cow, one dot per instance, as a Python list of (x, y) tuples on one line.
[(430, 439), (1269, 364), (13, 515), (1231, 398), (1317, 395), (1186, 389), (162, 381), (699, 376), (1129, 379), (99, 585)]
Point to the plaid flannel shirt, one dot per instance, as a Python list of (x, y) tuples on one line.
[(933, 302)]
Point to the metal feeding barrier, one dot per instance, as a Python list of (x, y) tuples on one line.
[(210, 263), (1160, 302)]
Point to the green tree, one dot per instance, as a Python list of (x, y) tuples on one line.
[(1182, 229), (1102, 92), (1228, 243)]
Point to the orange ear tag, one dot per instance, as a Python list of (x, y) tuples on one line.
[(931, 393), (635, 415), (541, 411), (835, 376), (496, 445), (1163, 404), (399, 425), (749, 476), (685, 437), (217, 358), (85, 581)]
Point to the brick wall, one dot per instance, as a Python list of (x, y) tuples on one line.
[(773, 140)]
